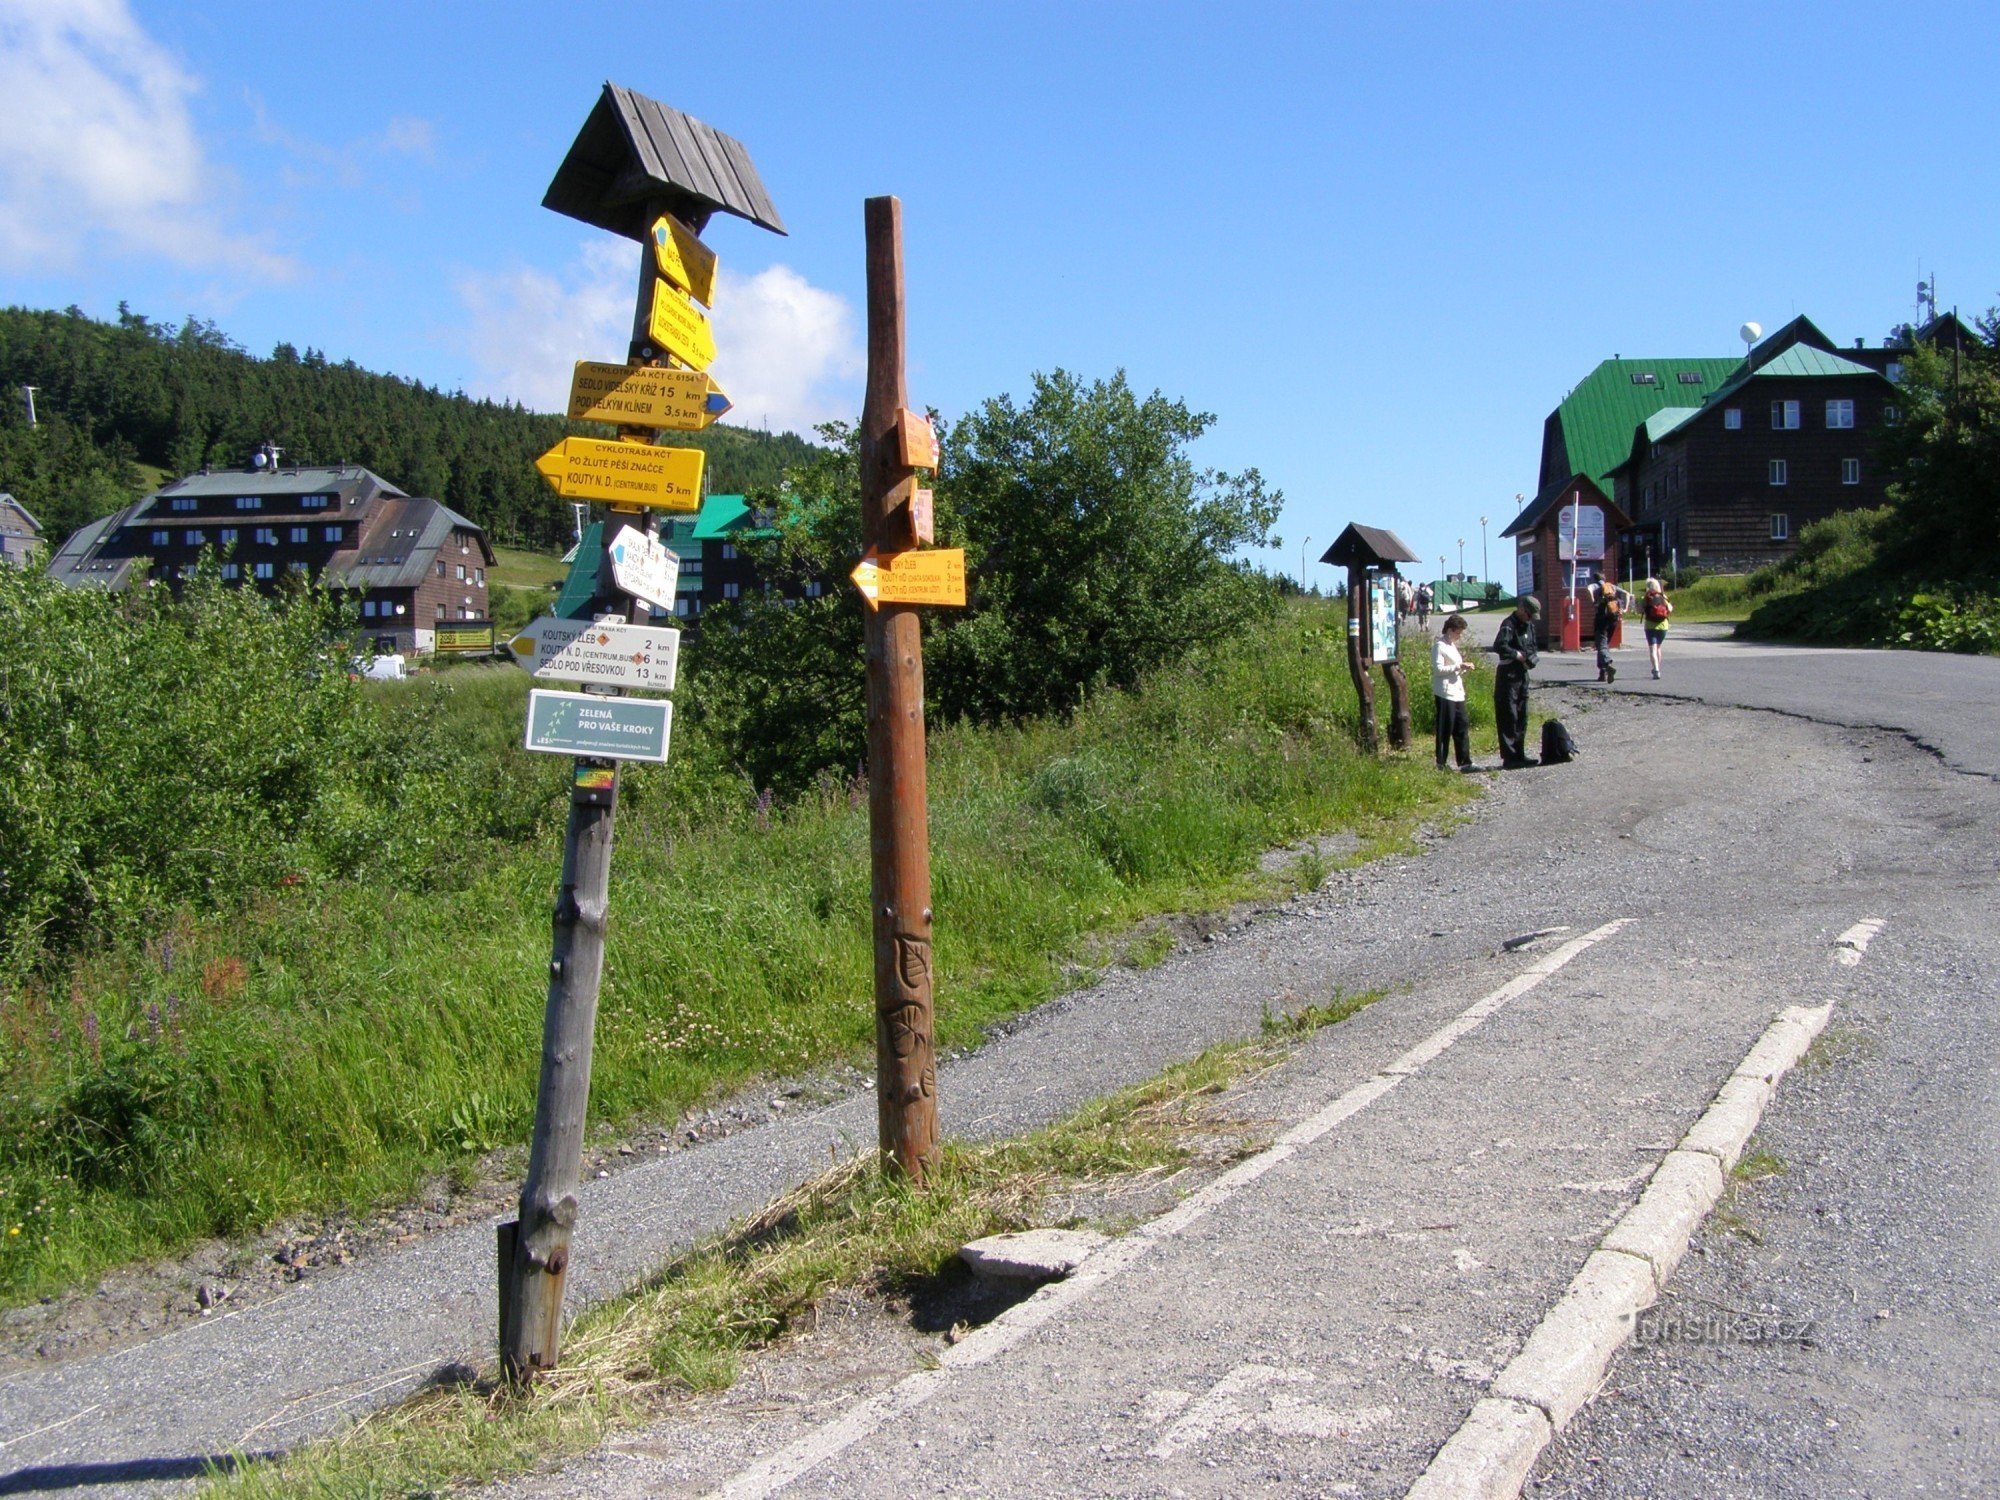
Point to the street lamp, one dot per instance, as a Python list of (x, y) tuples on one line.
[(1482, 547), (1461, 559), (1302, 563)]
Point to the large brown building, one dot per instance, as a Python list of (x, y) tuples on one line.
[(412, 564), (1718, 463)]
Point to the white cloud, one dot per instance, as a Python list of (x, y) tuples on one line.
[(529, 327), (789, 353), (98, 150)]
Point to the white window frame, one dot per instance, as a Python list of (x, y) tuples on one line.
[(1850, 471), (159, 539), (1778, 473), (264, 570), (732, 590), (1840, 414), (1732, 418), (1781, 526), (1784, 416)]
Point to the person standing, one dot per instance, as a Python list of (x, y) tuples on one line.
[(1448, 669), (1655, 610), (1605, 610), (1423, 605), (1515, 647)]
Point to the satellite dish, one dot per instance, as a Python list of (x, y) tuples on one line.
[(259, 459), (1750, 332)]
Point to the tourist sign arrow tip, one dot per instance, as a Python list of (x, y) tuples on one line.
[(643, 568)]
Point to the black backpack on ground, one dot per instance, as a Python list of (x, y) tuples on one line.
[(1558, 744)]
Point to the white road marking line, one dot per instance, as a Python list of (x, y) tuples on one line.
[(1568, 1354), (814, 1448), (1851, 944)]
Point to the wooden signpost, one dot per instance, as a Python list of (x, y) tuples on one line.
[(624, 474), (645, 396), (894, 579), (604, 181)]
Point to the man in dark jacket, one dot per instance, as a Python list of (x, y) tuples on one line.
[(1515, 646)]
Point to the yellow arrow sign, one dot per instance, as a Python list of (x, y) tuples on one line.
[(679, 327), (624, 473), (645, 396), (683, 259), (928, 577)]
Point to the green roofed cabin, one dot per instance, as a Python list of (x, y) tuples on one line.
[(1719, 462)]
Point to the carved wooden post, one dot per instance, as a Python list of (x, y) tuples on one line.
[(899, 833), (1399, 687), (1359, 649)]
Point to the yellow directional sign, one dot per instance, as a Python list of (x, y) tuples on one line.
[(624, 473), (680, 327), (928, 577), (645, 396), (683, 259)]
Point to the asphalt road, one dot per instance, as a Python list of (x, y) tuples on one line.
[(1326, 1328)]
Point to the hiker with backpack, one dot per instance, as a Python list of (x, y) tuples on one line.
[(1516, 649), (1606, 608), (1655, 610)]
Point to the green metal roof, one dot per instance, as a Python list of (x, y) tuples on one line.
[(1666, 419), (1800, 359), (580, 588), (1599, 415), (720, 515)]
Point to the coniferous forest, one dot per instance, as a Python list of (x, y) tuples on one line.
[(113, 397)]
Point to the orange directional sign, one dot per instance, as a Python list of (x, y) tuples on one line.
[(679, 327), (624, 473), (916, 439), (929, 577), (645, 396), (683, 259)]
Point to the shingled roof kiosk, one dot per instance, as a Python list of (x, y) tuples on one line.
[(1370, 555), (655, 175)]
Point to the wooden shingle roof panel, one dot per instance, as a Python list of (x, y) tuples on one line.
[(635, 153)]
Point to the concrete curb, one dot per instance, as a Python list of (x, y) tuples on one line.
[(1565, 1359)]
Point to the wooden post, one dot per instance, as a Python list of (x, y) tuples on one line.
[(899, 833), (534, 1251), (1399, 691), (1359, 633)]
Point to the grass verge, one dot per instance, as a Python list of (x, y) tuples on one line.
[(335, 1048), (629, 1359)]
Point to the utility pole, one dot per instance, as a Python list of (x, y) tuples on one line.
[(899, 832)]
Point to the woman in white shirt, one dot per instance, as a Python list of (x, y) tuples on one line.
[(1448, 669)]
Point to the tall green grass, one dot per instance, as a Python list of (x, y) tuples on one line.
[(334, 1046)]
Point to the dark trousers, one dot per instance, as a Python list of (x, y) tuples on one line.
[(1510, 713), (1454, 732)]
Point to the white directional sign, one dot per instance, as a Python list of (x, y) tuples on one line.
[(643, 568), (606, 651)]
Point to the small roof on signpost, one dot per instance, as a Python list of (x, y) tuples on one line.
[(1368, 546), (635, 156)]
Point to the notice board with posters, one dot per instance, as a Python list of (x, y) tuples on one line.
[(1382, 616)]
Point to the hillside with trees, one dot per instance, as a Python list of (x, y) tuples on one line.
[(1924, 570), (117, 399)]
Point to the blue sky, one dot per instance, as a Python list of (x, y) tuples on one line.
[(1379, 243)]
